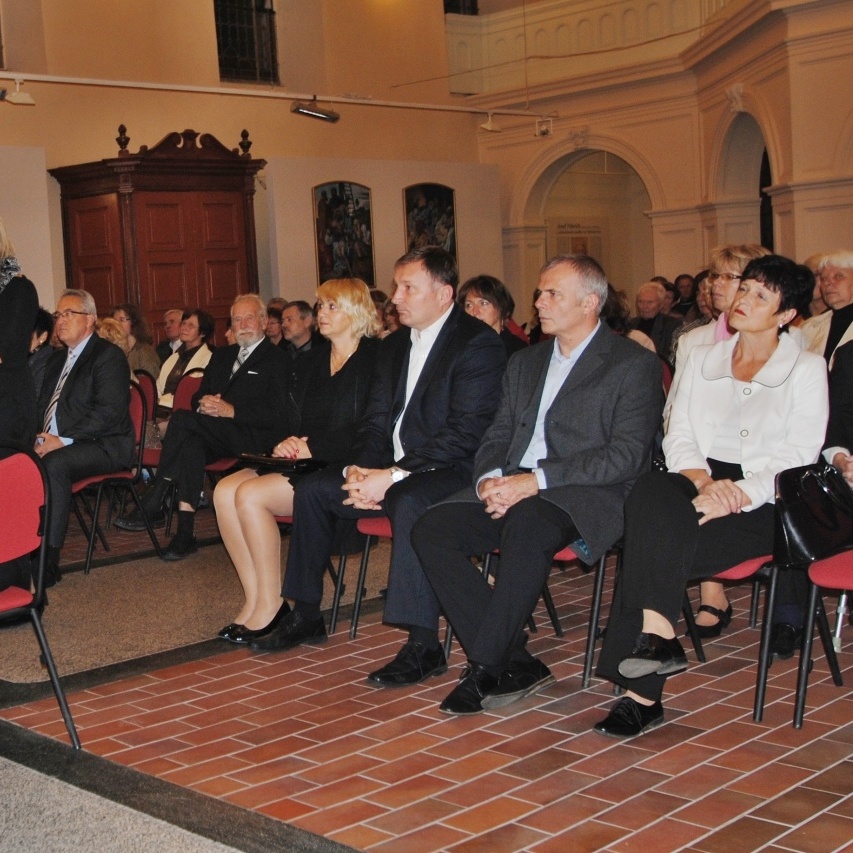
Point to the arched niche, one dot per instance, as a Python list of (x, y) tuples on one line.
[(590, 200), (736, 187)]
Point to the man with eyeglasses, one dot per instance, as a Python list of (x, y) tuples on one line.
[(84, 409), (240, 407), (826, 332)]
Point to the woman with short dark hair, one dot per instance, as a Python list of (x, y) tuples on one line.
[(142, 355), (487, 298), (746, 408)]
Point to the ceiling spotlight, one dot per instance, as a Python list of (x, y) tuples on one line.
[(544, 127), (17, 97), (491, 125), (314, 110)]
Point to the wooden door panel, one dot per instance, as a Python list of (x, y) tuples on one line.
[(162, 222), (220, 221), (95, 247)]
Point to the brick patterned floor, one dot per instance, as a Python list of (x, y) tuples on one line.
[(301, 737)]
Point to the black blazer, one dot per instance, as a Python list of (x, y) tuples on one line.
[(839, 431), (257, 391), (95, 401), (452, 404), (329, 409), (599, 430)]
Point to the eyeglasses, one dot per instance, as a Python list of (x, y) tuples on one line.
[(66, 314), (727, 277)]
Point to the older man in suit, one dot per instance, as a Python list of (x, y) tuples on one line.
[(84, 409), (434, 394), (238, 408), (575, 428)]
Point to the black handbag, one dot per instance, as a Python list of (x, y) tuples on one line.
[(270, 464), (814, 513)]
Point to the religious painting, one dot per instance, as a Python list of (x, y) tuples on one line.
[(343, 231), (430, 217)]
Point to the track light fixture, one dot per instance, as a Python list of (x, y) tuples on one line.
[(17, 97), (491, 125), (314, 110)]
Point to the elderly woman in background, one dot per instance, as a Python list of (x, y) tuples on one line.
[(141, 355), (487, 298), (328, 394), (746, 409), (194, 353)]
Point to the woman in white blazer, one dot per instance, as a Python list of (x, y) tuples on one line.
[(746, 409)]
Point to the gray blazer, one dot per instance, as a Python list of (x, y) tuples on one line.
[(600, 431)]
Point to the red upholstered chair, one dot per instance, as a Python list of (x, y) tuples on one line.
[(835, 572), (24, 517), (378, 527), (124, 479), (148, 385), (181, 401)]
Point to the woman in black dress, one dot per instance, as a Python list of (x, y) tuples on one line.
[(18, 420), (327, 396), (18, 307)]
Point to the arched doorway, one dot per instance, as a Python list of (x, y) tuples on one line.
[(743, 210), (598, 205)]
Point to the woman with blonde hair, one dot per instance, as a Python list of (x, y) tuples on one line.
[(327, 397)]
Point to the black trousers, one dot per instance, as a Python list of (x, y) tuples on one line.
[(193, 441), (65, 466), (489, 621), (318, 504), (665, 548)]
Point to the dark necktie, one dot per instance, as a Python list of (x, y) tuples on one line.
[(54, 400)]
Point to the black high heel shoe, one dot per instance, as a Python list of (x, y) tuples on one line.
[(228, 630), (724, 617), (243, 636)]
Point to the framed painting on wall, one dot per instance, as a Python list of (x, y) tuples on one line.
[(343, 231), (430, 217)]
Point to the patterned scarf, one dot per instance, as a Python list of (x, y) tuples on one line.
[(9, 268)]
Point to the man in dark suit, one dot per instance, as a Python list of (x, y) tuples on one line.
[(651, 320), (575, 428), (239, 408), (85, 411), (434, 394)]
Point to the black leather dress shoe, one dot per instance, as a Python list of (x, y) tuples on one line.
[(467, 697), (180, 547), (628, 718), (519, 679), (414, 663), (653, 655), (292, 630), (243, 635), (135, 521), (785, 639), (228, 630)]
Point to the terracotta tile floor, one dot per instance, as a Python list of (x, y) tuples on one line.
[(301, 737)]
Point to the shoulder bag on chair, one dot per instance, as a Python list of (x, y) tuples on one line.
[(814, 513)]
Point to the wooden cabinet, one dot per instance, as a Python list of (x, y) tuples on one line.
[(169, 227)]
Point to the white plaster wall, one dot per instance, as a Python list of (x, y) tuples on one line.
[(26, 213), (290, 210)]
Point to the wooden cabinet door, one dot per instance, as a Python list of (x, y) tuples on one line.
[(95, 249), (192, 251)]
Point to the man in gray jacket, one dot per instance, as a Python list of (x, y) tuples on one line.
[(574, 429)]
